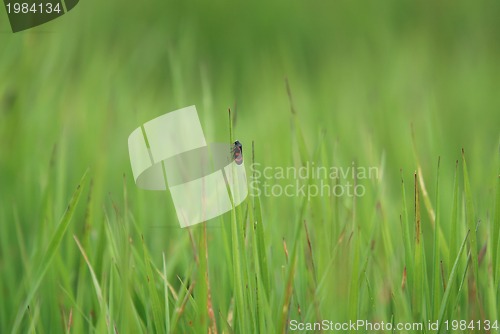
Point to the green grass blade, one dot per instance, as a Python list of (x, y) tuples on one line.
[(355, 277), (471, 219), (296, 129), (451, 279), (410, 267), (76, 306), (427, 201), (496, 235), (418, 291), (54, 244), (237, 273), (153, 293), (201, 325), (95, 280), (259, 231), (436, 269), (165, 287), (453, 229), (182, 296)]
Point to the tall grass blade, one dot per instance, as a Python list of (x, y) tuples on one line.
[(454, 232), (436, 267), (409, 255), (49, 254), (418, 291), (451, 279), (167, 303), (471, 220), (496, 235), (427, 201), (95, 280), (153, 293)]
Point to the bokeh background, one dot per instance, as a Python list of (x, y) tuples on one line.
[(362, 73)]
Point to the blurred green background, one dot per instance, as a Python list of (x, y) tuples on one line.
[(72, 90)]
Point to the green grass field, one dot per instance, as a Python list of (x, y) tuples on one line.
[(410, 88)]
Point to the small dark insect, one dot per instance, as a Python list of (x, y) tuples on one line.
[(237, 152)]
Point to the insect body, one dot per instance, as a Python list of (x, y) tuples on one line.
[(237, 152)]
